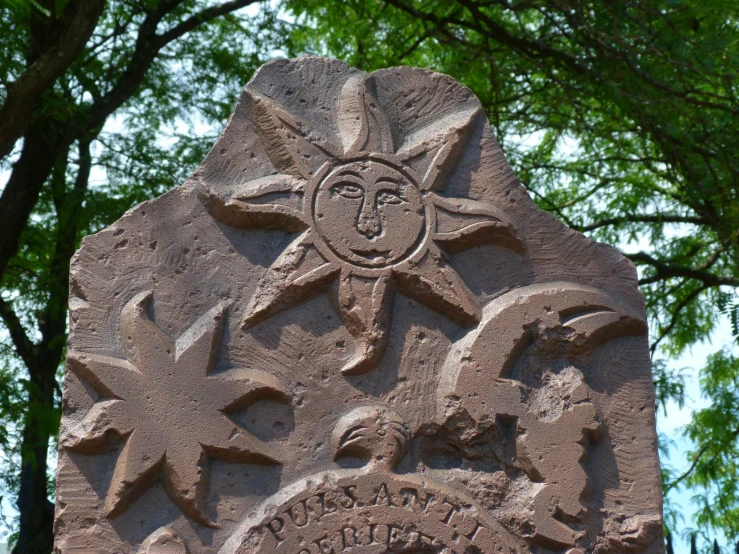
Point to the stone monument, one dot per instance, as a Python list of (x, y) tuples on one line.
[(352, 331)]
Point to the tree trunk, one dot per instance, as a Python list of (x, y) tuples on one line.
[(16, 204), (36, 512)]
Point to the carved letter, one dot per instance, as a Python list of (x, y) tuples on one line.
[(447, 518), (326, 507), (324, 546), (378, 534), (395, 536), (275, 530), (383, 495), (297, 520), (350, 500), (348, 537)]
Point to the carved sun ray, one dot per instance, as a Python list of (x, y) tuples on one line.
[(370, 225)]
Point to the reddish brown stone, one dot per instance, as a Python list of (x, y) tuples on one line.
[(351, 330)]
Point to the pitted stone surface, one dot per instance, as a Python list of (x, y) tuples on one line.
[(352, 331)]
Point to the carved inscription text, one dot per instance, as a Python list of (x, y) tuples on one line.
[(368, 513)]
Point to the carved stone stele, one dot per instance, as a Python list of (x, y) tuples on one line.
[(352, 331)]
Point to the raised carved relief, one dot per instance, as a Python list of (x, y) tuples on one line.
[(167, 408), (550, 415), (164, 540), (507, 408), (377, 435), (370, 225), (372, 509)]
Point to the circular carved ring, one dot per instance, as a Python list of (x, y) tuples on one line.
[(368, 212), (370, 513)]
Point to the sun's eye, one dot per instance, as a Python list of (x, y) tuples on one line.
[(390, 197), (347, 190)]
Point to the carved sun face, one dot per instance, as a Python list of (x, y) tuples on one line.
[(368, 213), (369, 225)]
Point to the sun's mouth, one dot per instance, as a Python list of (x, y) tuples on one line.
[(373, 255)]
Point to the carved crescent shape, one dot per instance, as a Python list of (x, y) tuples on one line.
[(571, 319), (586, 316)]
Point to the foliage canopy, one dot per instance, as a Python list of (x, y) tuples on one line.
[(620, 117)]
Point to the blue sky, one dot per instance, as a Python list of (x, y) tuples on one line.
[(677, 417)]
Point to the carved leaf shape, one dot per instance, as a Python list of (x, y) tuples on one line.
[(272, 202), (433, 282), (296, 275), (365, 307)]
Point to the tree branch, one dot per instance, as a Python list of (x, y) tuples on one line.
[(203, 16), (24, 346), (663, 332), (530, 48), (696, 458), (41, 150), (148, 46), (44, 71), (666, 271), (408, 51), (67, 203), (642, 218)]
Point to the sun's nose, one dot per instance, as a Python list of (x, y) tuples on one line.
[(369, 228), (368, 222)]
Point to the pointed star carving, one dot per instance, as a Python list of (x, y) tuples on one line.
[(172, 415), (369, 225)]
